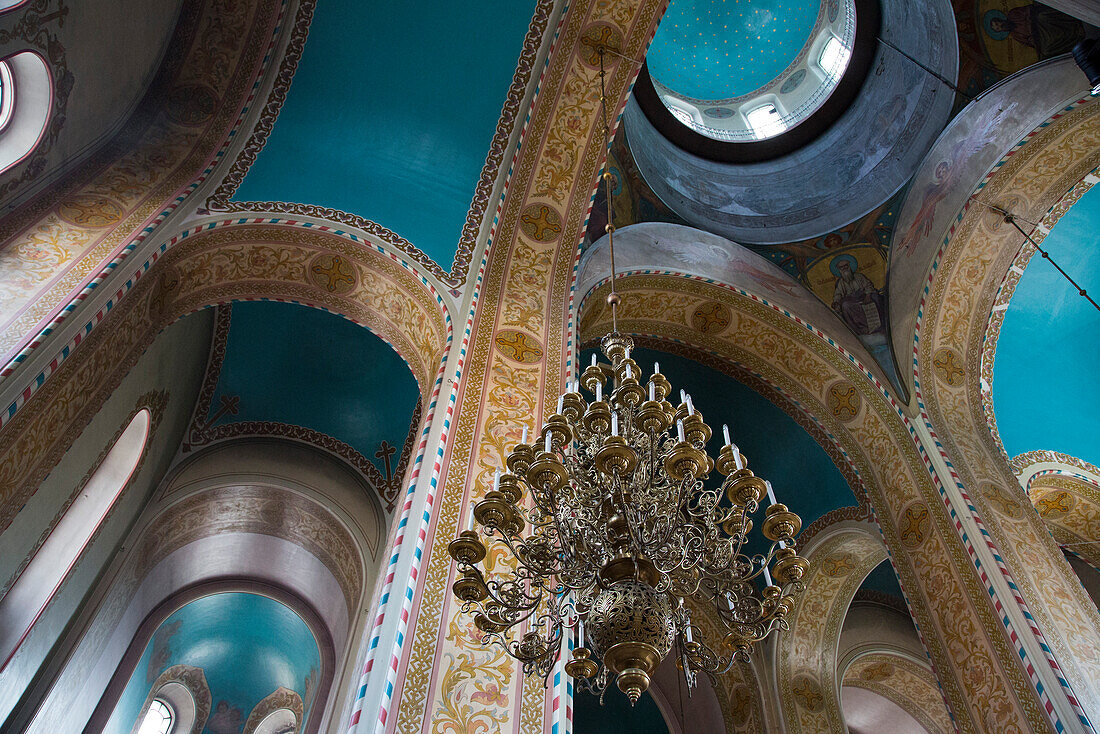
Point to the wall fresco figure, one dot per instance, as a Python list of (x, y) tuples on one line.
[(856, 299), (1044, 29)]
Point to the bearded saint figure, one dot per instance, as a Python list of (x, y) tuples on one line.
[(855, 297)]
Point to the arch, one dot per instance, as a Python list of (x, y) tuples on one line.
[(879, 652), (262, 516), (35, 584), (240, 262), (184, 689), (806, 655), (280, 712), (960, 315), (30, 101), (929, 555), (1069, 504), (881, 710), (193, 679)]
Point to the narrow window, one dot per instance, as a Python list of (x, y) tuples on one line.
[(158, 719), (26, 98), (765, 121), (834, 58), (7, 94), (32, 591)]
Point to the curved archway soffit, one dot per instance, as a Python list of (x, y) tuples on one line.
[(840, 558), (952, 327), (659, 248), (66, 241), (910, 685), (975, 146), (901, 484)]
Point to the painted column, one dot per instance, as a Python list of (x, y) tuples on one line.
[(517, 352)]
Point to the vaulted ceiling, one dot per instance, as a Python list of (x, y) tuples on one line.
[(390, 118)]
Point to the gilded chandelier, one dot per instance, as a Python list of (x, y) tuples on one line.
[(611, 521)]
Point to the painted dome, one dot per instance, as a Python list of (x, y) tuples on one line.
[(743, 70)]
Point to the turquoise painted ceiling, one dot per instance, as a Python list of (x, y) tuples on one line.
[(883, 579), (301, 366), (1045, 389), (778, 449), (717, 49), (247, 646), (616, 715), (391, 117)]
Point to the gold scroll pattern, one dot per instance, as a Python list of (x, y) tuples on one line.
[(1071, 509), (738, 691), (908, 684), (957, 318), (963, 631), (249, 261), (72, 236), (807, 652), (526, 288)]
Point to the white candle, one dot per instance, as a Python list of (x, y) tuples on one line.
[(726, 434), (771, 492), (687, 631), (470, 518), (599, 392), (737, 456), (683, 396), (767, 576), (627, 352), (656, 368), (561, 400), (614, 424), (593, 360), (580, 631), (496, 480), (680, 430), (524, 439), (652, 394), (548, 443), (691, 408), (629, 372)]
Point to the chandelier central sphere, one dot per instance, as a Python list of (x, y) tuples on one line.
[(609, 522)]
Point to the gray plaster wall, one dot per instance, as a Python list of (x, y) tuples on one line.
[(659, 246), (857, 164), (977, 138), (109, 51), (174, 362)]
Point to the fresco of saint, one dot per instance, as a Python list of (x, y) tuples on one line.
[(856, 299)]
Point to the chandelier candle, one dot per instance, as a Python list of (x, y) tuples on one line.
[(608, 515), (614, 505)]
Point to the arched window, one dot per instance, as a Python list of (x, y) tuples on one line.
[(158, 719), (7, 94), (26, 97), (36, 585)]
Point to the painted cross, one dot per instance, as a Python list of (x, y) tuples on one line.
[(384, 452)]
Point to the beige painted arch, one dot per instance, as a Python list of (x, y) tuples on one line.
[(243, 262), (941, 583), (959, 326)]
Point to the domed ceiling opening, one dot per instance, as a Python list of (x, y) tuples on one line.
[(1045, 392), (749, 69), (247, 647)]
